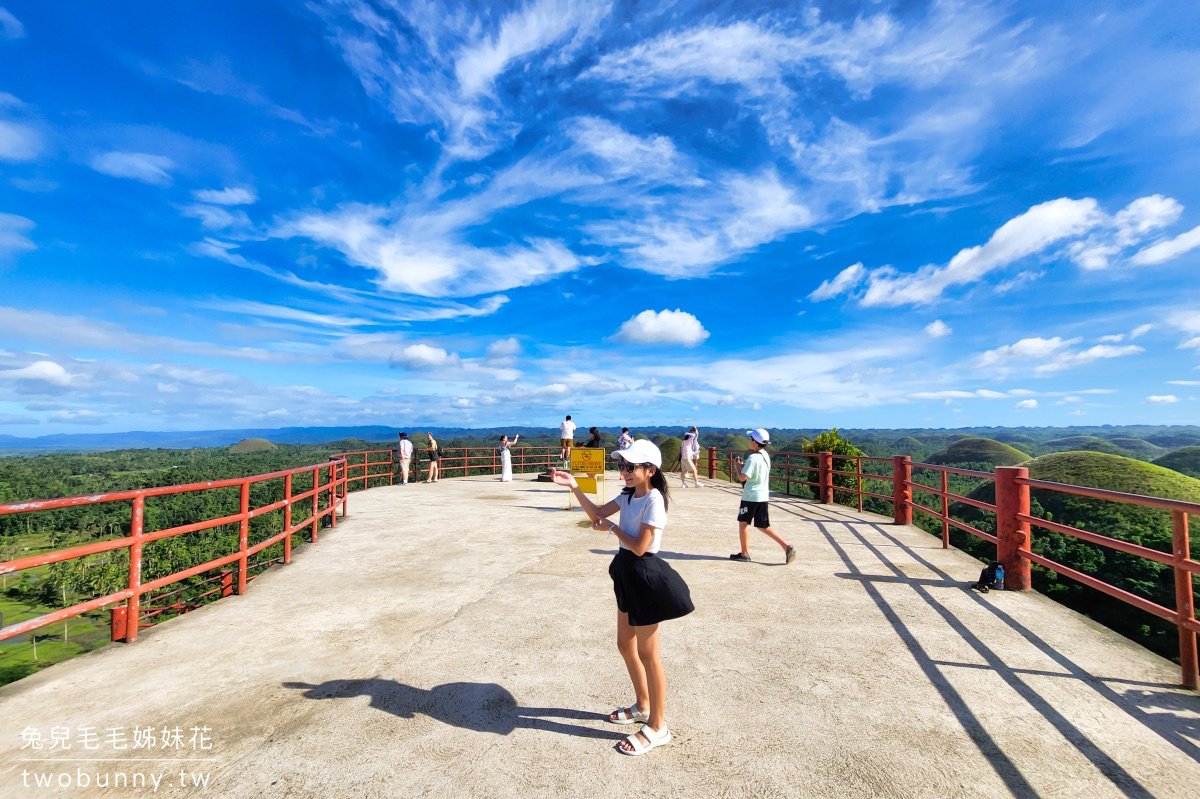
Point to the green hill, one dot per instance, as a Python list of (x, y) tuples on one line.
[(1015, 439), (907, 445), (1148, 527), (977, 451), (248, 445), (1170, 441), (1083, 443), (1136, 448), (1185, 461)]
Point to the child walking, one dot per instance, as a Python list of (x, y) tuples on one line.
[(755, 474), (647, 589)]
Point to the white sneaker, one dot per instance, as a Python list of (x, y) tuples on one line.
[(699, 485)]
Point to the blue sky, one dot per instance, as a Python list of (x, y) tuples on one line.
[(904, 214)]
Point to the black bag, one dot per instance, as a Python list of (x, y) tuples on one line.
[(987, 578)]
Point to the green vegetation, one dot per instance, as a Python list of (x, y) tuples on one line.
[(1136, 448), (670, 453), (976, 452), (1185, 461)]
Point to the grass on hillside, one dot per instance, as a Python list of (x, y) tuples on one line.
[(1185, 461), (978, 450)]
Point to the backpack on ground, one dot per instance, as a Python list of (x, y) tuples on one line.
[(987, 578)]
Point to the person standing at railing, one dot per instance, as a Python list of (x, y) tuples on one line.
[(647, 589), (594, 441), (404, 453), (506, 457), (566, 438), (435, 457), (689, 452), (624, 441), (755, 474)]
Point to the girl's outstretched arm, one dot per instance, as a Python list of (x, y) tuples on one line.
[(593, 511)]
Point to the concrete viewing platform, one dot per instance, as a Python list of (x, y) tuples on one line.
[(458, 640)]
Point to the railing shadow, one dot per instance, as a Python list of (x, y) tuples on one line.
[(1170, 727), (481, 707)]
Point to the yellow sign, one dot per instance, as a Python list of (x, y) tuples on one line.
[(587, 461), (586, 484)]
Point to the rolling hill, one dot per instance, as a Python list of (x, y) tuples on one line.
[(977, 451)]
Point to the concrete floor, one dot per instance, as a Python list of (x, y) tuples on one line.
[(456, 640)]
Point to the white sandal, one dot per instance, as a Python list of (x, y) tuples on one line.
[(638, 748), (631, 714)]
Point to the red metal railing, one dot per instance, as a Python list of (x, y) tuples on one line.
[(1014, 523), (145, 602), (454, 462), (322, 500)]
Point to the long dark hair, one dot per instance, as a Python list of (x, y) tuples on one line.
[(657, 480)]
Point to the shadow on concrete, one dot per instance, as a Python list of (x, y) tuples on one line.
[(478, 706), (1171, 728)]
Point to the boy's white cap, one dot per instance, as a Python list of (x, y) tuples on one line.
[(760, 435), (640, 451)]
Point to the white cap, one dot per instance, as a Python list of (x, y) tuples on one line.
[(760, 435), (640, 451)]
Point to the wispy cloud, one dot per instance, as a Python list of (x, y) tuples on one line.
[(18, 142), (10, 26), (146, 167), (236, 195), (14, 233)]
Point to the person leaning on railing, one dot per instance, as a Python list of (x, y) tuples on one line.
[(435, 456), (404, 453)]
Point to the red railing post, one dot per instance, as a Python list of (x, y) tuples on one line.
[(117, 621), (858, 480), (1012, 499), (345, 483), (316, 520), (825, 477), (134, 605), (945, 510), (391, 464), (244, 539), (901, 490), (712, 463), (287, 518), (333, 499), (787, 480), (1184, 601), (226, 583)]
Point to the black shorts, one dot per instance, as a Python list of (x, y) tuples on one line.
[(648, 589), (755, 513), (434, 457)]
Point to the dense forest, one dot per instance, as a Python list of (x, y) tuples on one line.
[(1115, 458)]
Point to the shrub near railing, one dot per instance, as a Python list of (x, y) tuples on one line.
[(1168, 591)]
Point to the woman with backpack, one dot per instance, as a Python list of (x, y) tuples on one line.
[(435, 456)]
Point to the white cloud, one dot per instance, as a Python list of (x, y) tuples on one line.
[(77, 417), (843, 282), (10, 26), (18, 142), (1026, 404), (1184, 382), (1068, 360), (428, 260), (1114, 339), (525, 31), (1031, 232), (1168, 250), (504, 349), (663, 327), (1025, 349), (216, 218), (14, 232), (625, 155), (147, 168), (1162, 399), (1069, 400), (937, 328), (44, 372), (1127, 228), (1140, 331), (422, 356), (228, 196)]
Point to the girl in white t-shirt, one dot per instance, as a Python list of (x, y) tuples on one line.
[(648, 590)]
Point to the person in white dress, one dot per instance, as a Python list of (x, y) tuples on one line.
[(506, 457)]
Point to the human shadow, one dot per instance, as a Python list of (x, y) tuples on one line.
[(477, 706)]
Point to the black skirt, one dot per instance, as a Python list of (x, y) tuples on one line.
[(648, 589)]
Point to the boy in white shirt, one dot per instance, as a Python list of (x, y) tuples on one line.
[(566, 438)]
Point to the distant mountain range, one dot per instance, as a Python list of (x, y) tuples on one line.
[(83, 442)]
